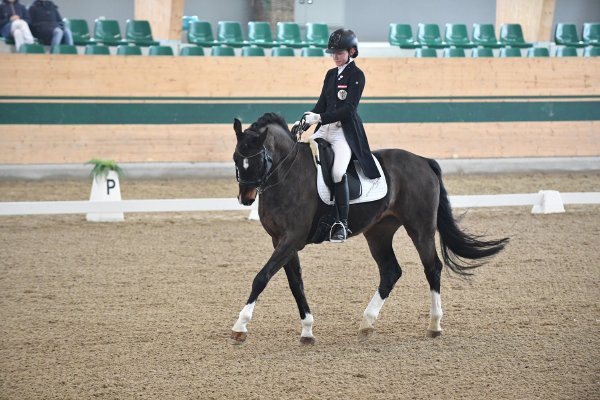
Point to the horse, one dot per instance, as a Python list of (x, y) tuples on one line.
[(271, 161)]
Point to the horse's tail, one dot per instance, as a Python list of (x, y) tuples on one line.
[(460, 249)]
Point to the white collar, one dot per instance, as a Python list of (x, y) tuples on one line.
[(340, 69)]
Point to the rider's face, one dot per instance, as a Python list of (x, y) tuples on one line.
[(340, 57)]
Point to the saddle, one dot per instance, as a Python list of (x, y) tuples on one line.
[(324, 158)]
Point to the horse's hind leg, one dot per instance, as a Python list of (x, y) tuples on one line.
[(294, 276), (424, 241), (380, 239)]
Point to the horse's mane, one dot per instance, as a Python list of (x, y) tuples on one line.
[(269, 118)]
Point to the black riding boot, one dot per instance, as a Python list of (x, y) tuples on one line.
[(339, 230)]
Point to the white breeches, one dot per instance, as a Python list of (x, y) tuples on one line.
[(335, 135), (21, 33)]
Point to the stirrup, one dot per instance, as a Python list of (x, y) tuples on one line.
[(331, 232)]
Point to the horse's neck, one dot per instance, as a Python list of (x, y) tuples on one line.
[(281, 144)]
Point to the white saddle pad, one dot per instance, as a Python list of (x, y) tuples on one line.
[(372, 189)]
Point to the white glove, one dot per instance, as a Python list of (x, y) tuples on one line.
[(295, 128), (312, 118)]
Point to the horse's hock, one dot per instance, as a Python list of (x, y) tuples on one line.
[(181, 109)]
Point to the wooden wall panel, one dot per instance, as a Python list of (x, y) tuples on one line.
[(63, 75), (33, 144)]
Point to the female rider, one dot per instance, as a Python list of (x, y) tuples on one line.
[(339, 123)]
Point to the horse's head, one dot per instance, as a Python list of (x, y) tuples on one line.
[(252, 161)]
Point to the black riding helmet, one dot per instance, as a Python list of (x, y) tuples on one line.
[(342, 39)]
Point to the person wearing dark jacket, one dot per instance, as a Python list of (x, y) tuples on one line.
[(339, 122), (47, 24), (14, 22)]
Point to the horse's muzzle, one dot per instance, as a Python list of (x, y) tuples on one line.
[(247, 196)]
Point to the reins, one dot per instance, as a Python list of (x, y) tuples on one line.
[(269, 174)]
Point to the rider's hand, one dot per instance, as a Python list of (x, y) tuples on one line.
[(295, 128), (311, 118)]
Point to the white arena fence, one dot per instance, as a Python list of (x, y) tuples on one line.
[(546, 201)]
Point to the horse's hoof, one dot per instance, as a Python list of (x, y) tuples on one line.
[(434, 334), (366, 334), (237, 338), (307, 341)]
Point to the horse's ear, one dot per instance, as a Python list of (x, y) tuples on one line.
[(237, 127)]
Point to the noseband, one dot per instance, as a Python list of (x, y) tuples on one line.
[(267, 164)]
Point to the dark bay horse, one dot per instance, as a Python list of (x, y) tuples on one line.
[(269, 160)]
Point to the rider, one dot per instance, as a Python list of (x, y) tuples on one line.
[(339, 123)]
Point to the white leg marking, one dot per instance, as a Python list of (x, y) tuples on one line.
[(244, 318), (245, 163), (372, 311), (307, 324), (436, 313)]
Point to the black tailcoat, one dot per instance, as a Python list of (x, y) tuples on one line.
[(334, 105)]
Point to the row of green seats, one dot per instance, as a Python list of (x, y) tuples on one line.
[(456, 35), (566, 35), (108, 32), (250, 51), (484, 35), (259, 34), (590, 51)]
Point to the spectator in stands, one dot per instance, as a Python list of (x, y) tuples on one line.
[(339, 122), (14, 22), (47, 24)]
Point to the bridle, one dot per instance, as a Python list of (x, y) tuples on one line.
[(267, 169), (267, 164)]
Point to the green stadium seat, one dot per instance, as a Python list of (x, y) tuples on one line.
[(458, 36), (485, 35), (222, 51), (317, 34), (566, 52), (429, 35), (510, 52), (107, 31), (160, 51), (425, 52), (259, 34), (139, 32), (282, 52), (591, 33), (566, 35), (591, 51), (80, 30), (94, 49), (126, 50), (191, 51), (230, 33), (33, 48), (454, 52), (538, 52), (253, 51), (186, 20), (288, 34), (512, 35), (402, 35), (481, 52), (63, 49), (200, 34), (312, 52)]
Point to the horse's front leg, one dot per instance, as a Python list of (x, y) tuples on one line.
[(281, 256), (294, 275)]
